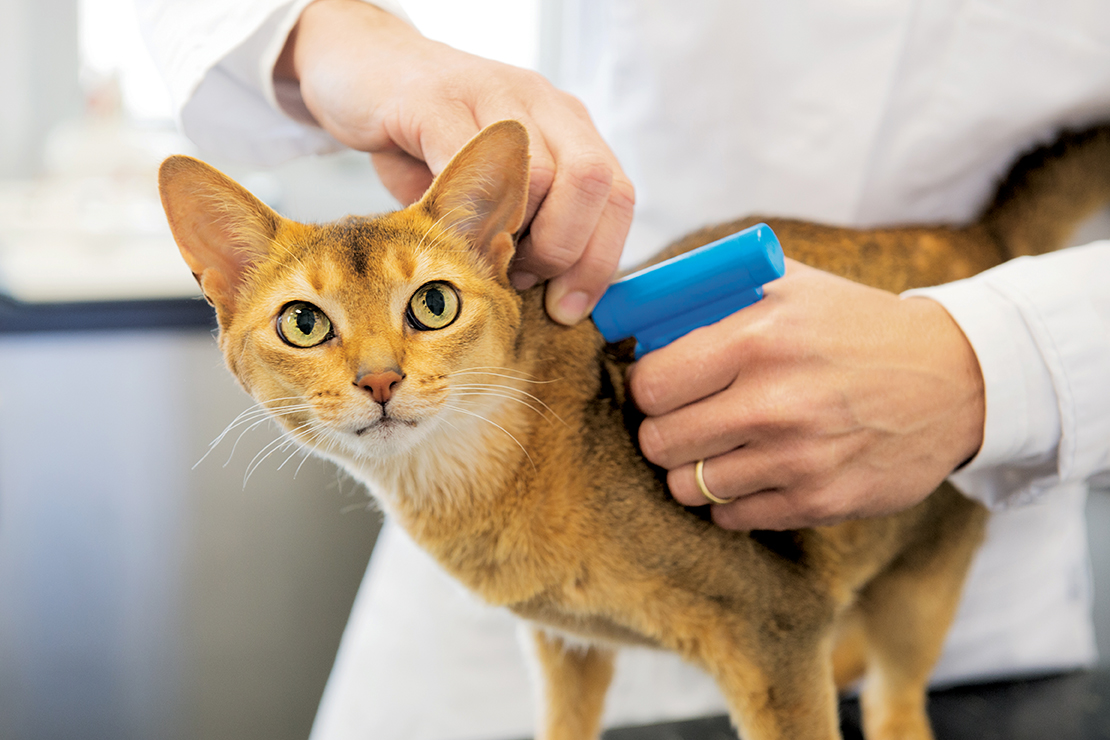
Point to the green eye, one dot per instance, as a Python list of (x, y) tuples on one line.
[(433, 306), (303, 325)]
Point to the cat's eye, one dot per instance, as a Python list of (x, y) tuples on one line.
[(434, 306), (303, 325)]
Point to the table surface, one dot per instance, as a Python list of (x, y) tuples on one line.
[(1074, 706)]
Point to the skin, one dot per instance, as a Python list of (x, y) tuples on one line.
[(827, 401)]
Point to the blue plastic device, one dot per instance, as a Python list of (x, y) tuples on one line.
[(661, 303)]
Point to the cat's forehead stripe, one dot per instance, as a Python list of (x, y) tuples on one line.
[(365, 242)]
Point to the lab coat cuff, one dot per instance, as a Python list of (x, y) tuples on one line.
[(1021, 424)]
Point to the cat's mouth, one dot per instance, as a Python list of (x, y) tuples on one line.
[(384, 423)]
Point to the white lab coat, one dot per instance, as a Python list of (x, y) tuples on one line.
[(846, 112)]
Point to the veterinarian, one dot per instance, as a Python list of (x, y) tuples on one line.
[(808, 409)]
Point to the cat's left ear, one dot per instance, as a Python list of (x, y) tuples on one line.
[(482, 194), (221, 229)]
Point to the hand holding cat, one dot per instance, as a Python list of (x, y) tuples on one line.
[(827, 400), (377, 85)]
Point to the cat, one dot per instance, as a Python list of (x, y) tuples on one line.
[(505, 444)]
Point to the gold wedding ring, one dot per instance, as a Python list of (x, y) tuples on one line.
[(699, 476)]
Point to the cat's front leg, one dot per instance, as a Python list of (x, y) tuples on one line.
[(776, 689), (576, 678)]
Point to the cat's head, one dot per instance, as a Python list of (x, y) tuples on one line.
[(362, 336)]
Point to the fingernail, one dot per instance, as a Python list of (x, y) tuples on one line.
[(523, 280), (572, 307)]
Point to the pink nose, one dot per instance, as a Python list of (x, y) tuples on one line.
[(380, 385)]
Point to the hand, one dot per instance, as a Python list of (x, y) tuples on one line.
[(827, 400), (375, 84)]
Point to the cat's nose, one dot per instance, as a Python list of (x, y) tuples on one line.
[(380, 384)]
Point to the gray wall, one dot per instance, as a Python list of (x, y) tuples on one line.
[(140, 597)]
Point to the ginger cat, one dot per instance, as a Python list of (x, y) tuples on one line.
[(506, 444)]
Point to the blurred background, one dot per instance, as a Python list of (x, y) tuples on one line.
[(150, 587)]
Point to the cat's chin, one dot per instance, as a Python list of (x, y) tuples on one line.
[(385, 437), (385, 426)]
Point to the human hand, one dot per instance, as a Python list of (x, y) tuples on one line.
[(827, 400), (375, 84)]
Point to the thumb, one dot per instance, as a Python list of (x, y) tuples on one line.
[(404, 176)]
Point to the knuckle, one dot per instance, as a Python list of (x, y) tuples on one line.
[(756, 343), (622, 196), (555, 257), (575, 104), (541, 178), (645, 392), (591, 175), (653, 443), (759, 415), (600, 264), (681, 489), (821, 508)]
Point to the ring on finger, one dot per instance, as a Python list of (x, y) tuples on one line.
[(699, 478)]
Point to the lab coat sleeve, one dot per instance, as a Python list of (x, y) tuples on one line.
[(1040, 327), (217, 60)]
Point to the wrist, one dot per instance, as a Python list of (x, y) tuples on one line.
[(325, 25), (952, 359), (347, 57)]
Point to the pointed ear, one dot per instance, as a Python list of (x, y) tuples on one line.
[(220, 228), (482, 194)]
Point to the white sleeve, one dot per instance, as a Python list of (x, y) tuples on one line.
[(217, 59), (1040, 327)]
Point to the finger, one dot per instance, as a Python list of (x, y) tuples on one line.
[(710, 427), (434, 136), (573, 294), (522, 273), (769, 509), (405, 177), (729, 477), (690, 368), (787, 508), (568, 215), (757, 410)]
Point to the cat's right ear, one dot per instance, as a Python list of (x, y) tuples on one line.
[(220, 228), (482, 193)]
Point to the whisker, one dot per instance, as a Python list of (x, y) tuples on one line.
[(521, 401), (258, 410), (253, 417), (487, 386), (243, 433), (484, 370), (315, 433), (270, 448), (290, 457), (479, 416), (307, 455), (281, 442)]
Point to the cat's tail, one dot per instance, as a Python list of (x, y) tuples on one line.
[(1050, 191)]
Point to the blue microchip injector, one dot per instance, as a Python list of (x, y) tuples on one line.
[(661, 303)]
